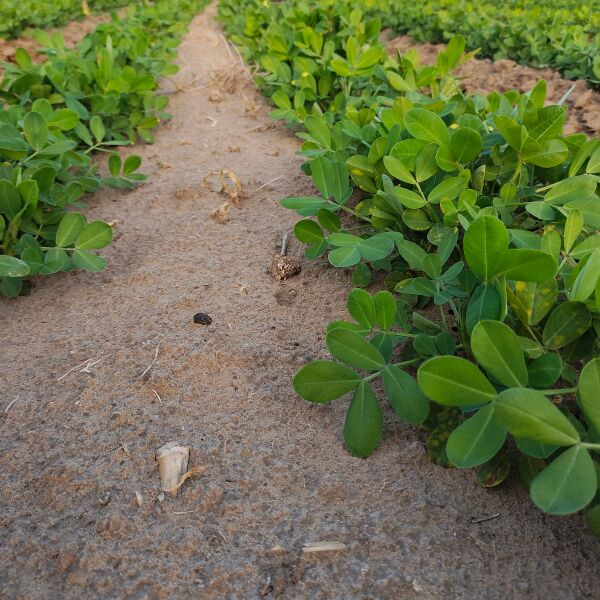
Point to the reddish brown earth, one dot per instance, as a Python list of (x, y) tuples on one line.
[(82, 414)]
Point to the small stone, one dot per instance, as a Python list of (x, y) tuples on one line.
[(202, 319), (104, 499)]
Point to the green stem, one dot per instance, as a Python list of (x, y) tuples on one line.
[(563, 392), (352, 212), (590, 445), (444, 320)]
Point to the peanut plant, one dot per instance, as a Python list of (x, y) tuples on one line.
[(483, 216)]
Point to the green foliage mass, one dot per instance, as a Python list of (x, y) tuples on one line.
[(54, 115), (562, 34), (481, 214)]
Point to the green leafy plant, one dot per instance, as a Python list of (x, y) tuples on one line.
[(18, 15), (51, 123), (481, 213)]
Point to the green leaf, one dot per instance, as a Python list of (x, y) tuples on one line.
[(97, 128), (385, 309), (308, 231), (362, 307), (485, 246), (329, 220), (396, 169), (529, 469), (426, 125), (567, 484), (319, 130), (449, 188), (592, 519), (69, 229), (408, 198), (496, 347), (10, 266), (416, 219), (132, 164), (405, 396), (585, 282), (528, 414), (88, 261), (566, 323), (522, 264), (477, 440), (10, 200), (586, 247), (553, 153), (454, 381), (94, 235), (535, 449), (114, 164), (412, 253), (64, 119), (364, 422), (324, 380), (323, 175), (570, 189), (466, 145), (589, 392), (573, 227), (545, 370), (532, 301), (485, 303), (307, 204), (354, 350), (35, 129), (347, 256)]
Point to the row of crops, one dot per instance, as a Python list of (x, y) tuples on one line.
[(562, 34), (56, 115), (19, 15), (478, 214)]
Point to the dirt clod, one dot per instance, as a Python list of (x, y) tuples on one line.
[(284, 267)]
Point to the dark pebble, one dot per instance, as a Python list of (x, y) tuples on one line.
[(202, 319)]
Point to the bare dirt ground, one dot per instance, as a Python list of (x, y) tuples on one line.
[(76, 444), (485, 75)]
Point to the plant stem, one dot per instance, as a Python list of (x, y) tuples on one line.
[(444, 320), (590, 446), (406, 363), (563, 392)]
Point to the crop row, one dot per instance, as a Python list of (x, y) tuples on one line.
[(18, 15), (55, 115), (482, 216), (561, 34)]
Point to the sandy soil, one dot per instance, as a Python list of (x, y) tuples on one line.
[(76, 444), (485, 75)]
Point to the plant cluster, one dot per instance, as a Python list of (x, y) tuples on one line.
[(54, 115), (562, 34), (482, 216), (18, 15)]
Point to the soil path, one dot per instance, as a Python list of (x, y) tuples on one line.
[(77, 444)]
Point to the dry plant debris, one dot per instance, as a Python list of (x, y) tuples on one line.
[(229, 184), (314, 547), (221, 214), (173, 461)]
